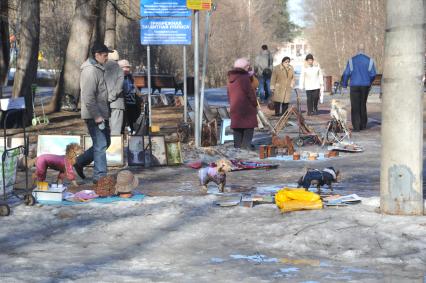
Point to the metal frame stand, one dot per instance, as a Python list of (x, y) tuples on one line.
[(27, 196)]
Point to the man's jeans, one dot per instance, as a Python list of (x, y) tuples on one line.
[(264, 88), (97, 152)]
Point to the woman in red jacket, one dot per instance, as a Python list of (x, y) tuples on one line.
[(243, 104)]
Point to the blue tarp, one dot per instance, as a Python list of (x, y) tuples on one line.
[(138, 197)]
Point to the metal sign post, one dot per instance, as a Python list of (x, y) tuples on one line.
[(196, 79), (203, 75), (148, 55), (185, 94)]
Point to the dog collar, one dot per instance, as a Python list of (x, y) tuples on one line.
[(331, 172)]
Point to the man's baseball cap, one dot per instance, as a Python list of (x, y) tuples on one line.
[(99, 47)]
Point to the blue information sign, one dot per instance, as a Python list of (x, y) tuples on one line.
[(171, 31), (164, 8)]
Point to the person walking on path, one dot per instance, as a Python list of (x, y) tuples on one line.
[(282, 82), (311, 80), (95, 111), (114, 79), (131, 95), (361, 71), (263, 67), (243, 104)]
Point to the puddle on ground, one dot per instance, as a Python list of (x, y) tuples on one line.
[(300, 268)]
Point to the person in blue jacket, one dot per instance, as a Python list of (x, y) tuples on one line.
[(361, 71)]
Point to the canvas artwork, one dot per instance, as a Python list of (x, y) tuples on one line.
[(55, 144), (13, 142), (159, 156), (114, 152), (174, 153), (135, 151)]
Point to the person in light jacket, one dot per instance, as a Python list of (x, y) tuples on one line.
[(95, 111), (114, 79), (311, 80), (282, 82)]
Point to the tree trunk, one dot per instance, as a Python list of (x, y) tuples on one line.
[(26, 70), (99, 28), (110, 25), (68, 86), (4, 44), (401, 178)]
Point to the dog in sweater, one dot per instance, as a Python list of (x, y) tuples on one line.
[(216, 174), (317, 177), (62, 163)]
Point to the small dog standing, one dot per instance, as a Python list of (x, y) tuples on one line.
[(327, 176), (215, 174), (62, 163)]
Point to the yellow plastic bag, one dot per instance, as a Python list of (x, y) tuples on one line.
[(294, 205), (302, 195), (297, 199)]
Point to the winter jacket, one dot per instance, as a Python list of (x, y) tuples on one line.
[(94, 91), (281, 83), (55, 162), (242, 100), (263, 61), (361, 70), (114, 77), (311, 77)]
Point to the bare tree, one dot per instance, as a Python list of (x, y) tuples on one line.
[(4, 42), (67, 90), (110, 25), (336, 27), (26, 69), (99, 28)]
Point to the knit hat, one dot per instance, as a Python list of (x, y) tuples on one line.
[(309, 56), (126, 182), (124, 63), (114, 55), (241, 63), (99, 47)]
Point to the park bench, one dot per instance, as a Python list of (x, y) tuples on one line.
[(163, 81)]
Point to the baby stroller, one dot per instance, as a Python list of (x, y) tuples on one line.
[(336, 130)]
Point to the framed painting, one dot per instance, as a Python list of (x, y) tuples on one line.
[(135, 151), (55, 144), (159, 156), (174, 153), (114, 152)]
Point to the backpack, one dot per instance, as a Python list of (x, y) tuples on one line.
[(267, 72)]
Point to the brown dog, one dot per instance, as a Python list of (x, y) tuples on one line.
[(61, 163)]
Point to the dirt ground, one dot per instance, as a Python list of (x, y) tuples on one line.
[(177, 234)]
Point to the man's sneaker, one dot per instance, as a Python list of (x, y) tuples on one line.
[(79, 171)]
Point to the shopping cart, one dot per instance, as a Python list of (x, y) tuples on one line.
[(36, 119), (9, 158)]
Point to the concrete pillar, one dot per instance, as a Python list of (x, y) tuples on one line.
[(401, 181)]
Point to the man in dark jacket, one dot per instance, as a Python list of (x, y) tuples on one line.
[(243, 104), (95, 111), (361, 71)]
